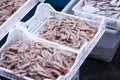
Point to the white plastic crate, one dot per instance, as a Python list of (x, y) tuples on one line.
[(37, 21), (22, 34), (108, 47), (77, 11), (17, 16)]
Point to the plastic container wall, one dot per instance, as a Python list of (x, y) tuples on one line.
[(37, 21), (107, 46)]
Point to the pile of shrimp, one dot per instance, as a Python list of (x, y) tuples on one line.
[(71, 32), (8, 7), (36, 60)]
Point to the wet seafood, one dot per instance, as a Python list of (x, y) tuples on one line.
[(71, 32), (108, 8), (36, 60), (8, 7)]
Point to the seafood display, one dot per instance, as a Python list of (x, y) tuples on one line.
[(108, 8), (71, 32), (8, 7), (36, 60)]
